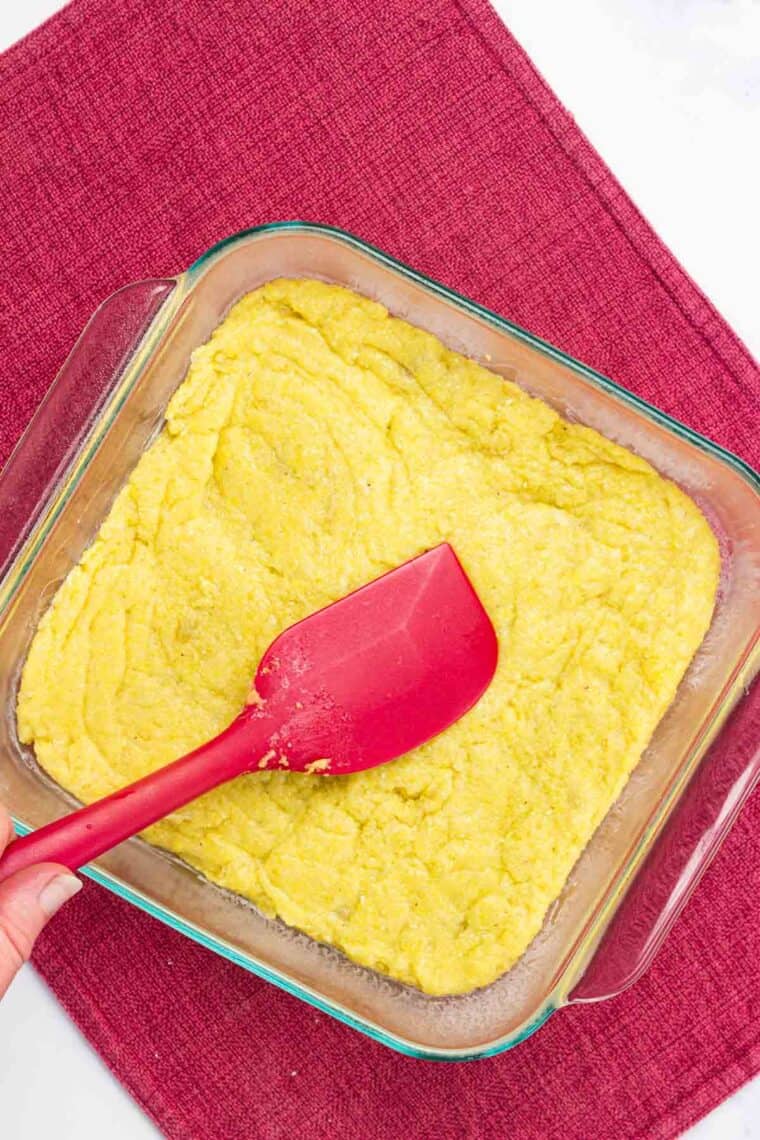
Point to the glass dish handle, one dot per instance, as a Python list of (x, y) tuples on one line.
[(71, 405), (681, 854)]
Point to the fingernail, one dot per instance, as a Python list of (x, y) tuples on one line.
[(58, 891)]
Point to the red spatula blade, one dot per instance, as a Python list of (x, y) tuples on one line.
[(385, 668)]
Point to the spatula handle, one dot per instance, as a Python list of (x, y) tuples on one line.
[(87, 833)]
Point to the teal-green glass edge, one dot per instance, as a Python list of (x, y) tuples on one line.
[(157, 326)]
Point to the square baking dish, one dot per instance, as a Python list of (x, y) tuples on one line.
[(103, 410)]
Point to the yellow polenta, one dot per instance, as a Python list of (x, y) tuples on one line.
[(315, 443)]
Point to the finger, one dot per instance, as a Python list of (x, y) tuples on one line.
[(27, 900), (6, 829)]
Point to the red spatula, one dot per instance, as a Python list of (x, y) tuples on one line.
[(356, 684)]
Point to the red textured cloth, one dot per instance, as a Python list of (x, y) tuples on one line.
[(136, 133)]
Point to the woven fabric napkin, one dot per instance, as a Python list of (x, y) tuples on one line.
[(137, 133)]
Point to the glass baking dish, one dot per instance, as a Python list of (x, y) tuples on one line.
[(104, 408)]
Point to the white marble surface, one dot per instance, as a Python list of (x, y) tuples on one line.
[(669, 93)]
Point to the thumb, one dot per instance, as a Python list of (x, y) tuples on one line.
[(27, 900)]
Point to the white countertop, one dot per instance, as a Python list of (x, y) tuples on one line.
[(669, 93)]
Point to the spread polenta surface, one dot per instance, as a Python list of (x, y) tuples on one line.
[(315, 443)]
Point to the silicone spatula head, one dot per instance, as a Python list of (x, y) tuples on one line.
[(381, 671)]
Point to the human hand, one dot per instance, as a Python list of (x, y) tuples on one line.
[(27, 900)]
